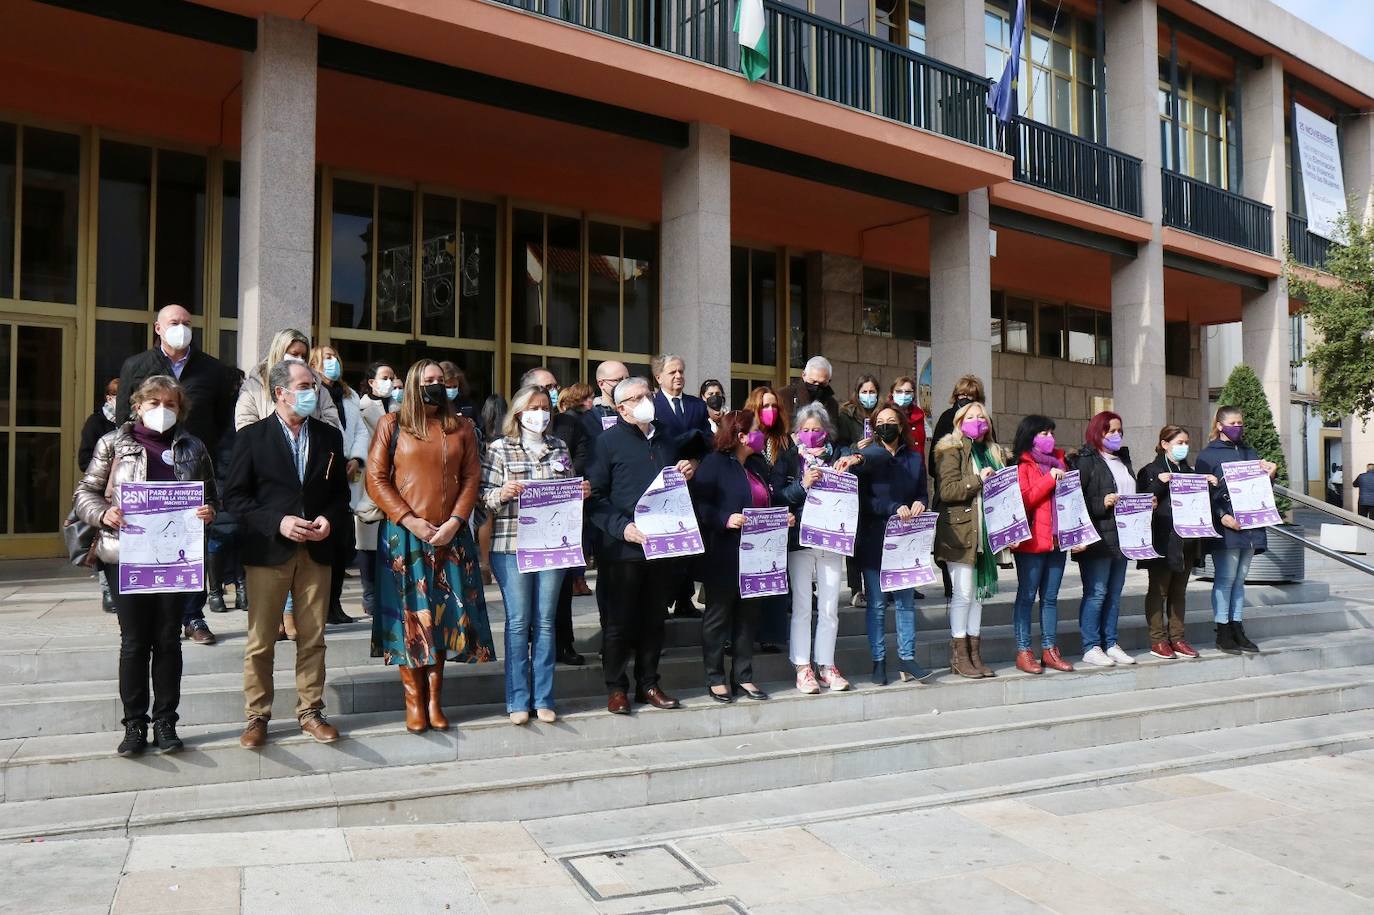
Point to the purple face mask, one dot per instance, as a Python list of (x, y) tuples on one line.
[(1112, 441), (1233, 432), (1044, 444), (974, 428), (755, 441), (811, 438)]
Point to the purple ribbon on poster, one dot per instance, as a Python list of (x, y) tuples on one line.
[(907, 546), (831, 514), (664, 515), (763, 552), (1003, 511), (162, 546), (1252, 494), (549, 526), (1073, 526), (1190, 503), (1135, 526)]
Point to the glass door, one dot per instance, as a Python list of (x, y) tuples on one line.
[(37, 454)]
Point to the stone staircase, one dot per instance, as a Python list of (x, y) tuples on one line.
[(592, 774)]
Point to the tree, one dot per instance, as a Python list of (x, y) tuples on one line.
[(1244, 391), (1341, 310)]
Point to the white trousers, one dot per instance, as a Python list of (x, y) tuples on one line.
[(827, 571), (965, 612)]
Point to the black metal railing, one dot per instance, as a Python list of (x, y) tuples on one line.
[(1307, 249), (1066, 164), (1202, 209)]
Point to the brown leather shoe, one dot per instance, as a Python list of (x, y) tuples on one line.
[(975, 656), (318, 728), (413, 687), (1026, 663), (958, 659), (1051, 658), (255, 735), (198, 632), (434, 675), (657, 698), (618, 703)]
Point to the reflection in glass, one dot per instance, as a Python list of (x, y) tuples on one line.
[(1082, 335), (764, 292), (739, 305), (603, 286), (1020, 318), (9, 138), (877, 314), (395, 258), (126, 187), (640, 290), (38, 379), (38, 462), (477, 303), (52, 198), (229, 348), (229, 244), (527, 277), (115, 341), (1104, 339), (564, 304), (439, 266), (796, 278), (350, 255), (1051, 331), (180, 254)]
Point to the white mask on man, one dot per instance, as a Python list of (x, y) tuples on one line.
[(177, 336), (644, 411)]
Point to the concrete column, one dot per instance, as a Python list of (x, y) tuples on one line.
[(1265, 343), (695, 253), (1138, 385), (277, 185), (960, 273)]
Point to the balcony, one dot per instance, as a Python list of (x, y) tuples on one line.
[(1059, 161), (1307, 249), (1203, 209)]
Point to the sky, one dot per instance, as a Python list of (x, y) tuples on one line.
[(1350, 21)]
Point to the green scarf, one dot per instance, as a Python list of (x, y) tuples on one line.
[(985, 562)]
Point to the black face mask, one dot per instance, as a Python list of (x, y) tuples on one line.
[(434, 394), (819, 391), (716, 401), (888, 432)]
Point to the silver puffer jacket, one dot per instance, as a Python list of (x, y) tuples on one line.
[(119, 458)]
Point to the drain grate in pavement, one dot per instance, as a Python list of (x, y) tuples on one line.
[(729, 906), (631, 872)]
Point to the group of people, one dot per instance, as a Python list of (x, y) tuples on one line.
[(404, 479)]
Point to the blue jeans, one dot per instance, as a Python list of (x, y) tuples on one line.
[(1037, 573), (1102, 582), (905, 601), (531, 600), (1228, 583)]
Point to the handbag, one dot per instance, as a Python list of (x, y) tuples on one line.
[(80, 540)]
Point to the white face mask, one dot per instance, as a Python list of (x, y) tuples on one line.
[(289, 358), (177, 336), (109, 410), (534, 420), (383, 387), (644, 411), (159, 418)]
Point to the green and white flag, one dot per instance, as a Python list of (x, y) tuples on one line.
[(751, 25)]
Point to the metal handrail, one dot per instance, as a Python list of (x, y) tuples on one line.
[(1335, 512), (1324, 550)]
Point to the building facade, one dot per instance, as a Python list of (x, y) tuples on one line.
[(511, 183)]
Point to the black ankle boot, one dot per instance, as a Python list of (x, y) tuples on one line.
[(1226, 639), (214, 583), (135, 739), (336, 616), (241, 595), (165, 733), (1241, 639), (880, 672)]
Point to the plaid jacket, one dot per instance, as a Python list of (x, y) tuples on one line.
[(509, 460)]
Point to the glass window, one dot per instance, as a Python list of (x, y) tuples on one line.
[(395, 258), (877, 313), (38, 462), (179, 257), (116, 340), (439, 266), (998, 310), (9, 139), (1050, 331), (6, 341), (916, 27), (1019, 322), (126, 192), (564, 291), (1104, 339), (764, 308), (910, 307), (38, 383), (229, 245), (739, 305), (1082, 335), (603, 286), (52, 200), (477, 308), (640, 270), (1177, 348), (350, 255), (4, 481), (527, 277), (229, 348), (796, 291)]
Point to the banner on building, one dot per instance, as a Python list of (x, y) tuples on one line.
[(1323, 182)]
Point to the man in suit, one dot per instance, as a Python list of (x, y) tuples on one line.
[(688, 421), (210, 389), (288, 487)]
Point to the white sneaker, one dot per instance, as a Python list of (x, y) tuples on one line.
[(1096, 657), (1119, 656)]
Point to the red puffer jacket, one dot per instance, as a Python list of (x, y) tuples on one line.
[(1037, 492)]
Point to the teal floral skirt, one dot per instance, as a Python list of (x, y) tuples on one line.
[(430, 605)]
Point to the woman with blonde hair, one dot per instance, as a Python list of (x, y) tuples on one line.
[(424, 474), (963, 460), (255, 397), (329, 367)]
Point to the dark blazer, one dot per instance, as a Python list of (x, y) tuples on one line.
[(785, 482), (262, 489), (886, 482), (719, 490), (1178, 553), (693, 431), (567, 427), (1213, 459), (623, 465), (1097, 481), (210, 386)]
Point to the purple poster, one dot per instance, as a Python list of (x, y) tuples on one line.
[(763, 552), (549, 535), (1190, 501), (1135, 526), (162, 545), (609, 420), (831, 513), (1252, 494), (907, 546), (1073, 526), (1003, 511), (665, 517)]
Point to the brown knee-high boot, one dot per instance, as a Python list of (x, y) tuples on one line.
[(435, 675), (414, 687)]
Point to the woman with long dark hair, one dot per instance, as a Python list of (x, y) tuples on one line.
[(1039, 561)]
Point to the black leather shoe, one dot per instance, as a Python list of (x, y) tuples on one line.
[(215, 602), (756, 694), (135, 740), (570, 657), (723, 698), (337, 617)]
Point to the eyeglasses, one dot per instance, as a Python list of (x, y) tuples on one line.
[(636, 398)]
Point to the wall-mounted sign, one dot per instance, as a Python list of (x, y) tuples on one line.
[(1323, 182)]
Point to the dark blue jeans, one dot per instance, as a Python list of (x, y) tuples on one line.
[(1103, 579), (1037, 574)]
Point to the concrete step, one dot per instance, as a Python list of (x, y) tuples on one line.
[(92, 706), (1301, 677), (52, 660)]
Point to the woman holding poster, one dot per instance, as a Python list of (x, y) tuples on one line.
[(730, 479), (1104, 467), (963, 460), (1232, 554), (1039, 561), (151, 447), (1168, 586), (524, 453)]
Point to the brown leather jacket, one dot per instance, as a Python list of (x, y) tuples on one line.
[(434, 479)]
